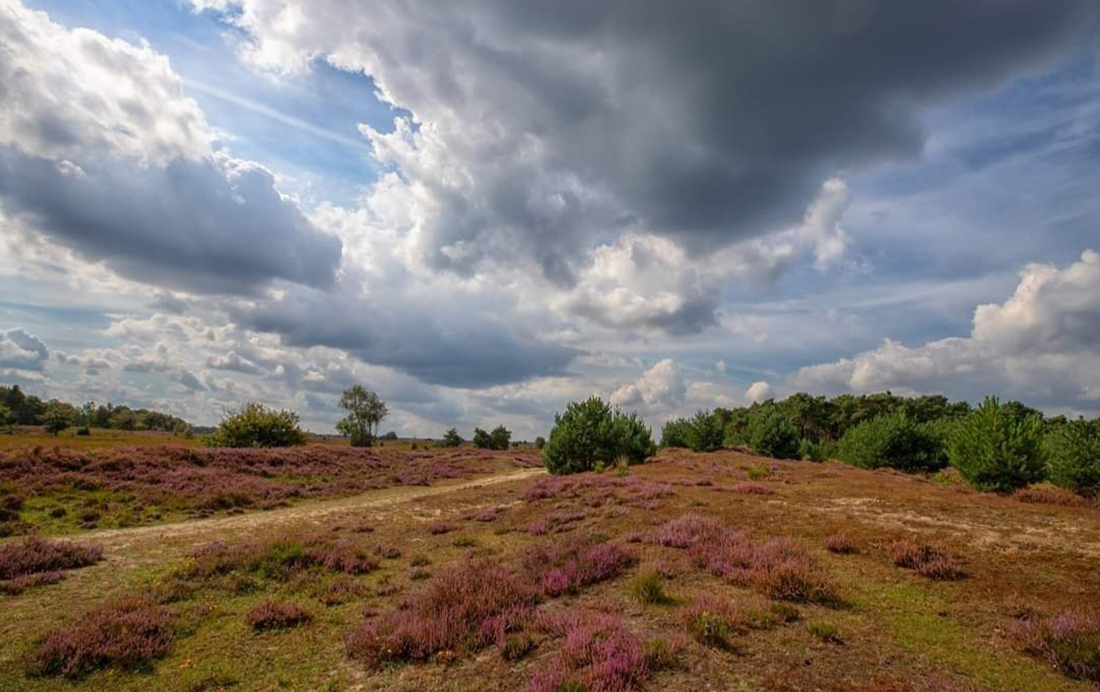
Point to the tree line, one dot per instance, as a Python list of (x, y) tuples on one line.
[(19, 408)]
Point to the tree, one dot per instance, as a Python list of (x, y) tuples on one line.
[(893, 441), (58, 416), (772, 434), (674, 434), (500, 438), (365, 412), (451, 438), (482, 439), (540, 442), (1074, 452), (704, 432), (998, 447), (255, 425), (590, 434), (5, 417)]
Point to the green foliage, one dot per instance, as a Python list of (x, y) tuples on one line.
[(482, 439), (674, 434), (58, 416), (27, 409), (649, 589), (540, 442), (451, 438), (6, 417), (705, 432), (590, 433), (501, 437), (809, 450), (893, 441), (365, 412), (1073, 449), (825, 632), (255, 425), (772, 434), (998, 447)]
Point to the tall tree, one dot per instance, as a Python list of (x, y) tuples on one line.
[(365, 413)]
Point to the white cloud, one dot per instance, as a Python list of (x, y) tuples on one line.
[(22, 351), (758, 391), (660, 387)]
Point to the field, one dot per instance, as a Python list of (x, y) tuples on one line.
[(714, 571)]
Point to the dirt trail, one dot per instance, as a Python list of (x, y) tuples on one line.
[(150, 544)]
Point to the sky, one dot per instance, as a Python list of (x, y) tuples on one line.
[(484, 209)]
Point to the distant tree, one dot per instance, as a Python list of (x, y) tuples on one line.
[(391, 435), (705, 432), (772, 434), (6, 417), (893, 441), (482, 439), (58, 416), (451, 438), (998, 446), (501, 437), (591, 435), (365, 412), (540, 442), (675, 433), (256, 425), (1073, 449)]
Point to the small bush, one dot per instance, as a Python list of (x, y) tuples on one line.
[(1040, 495), (277, 615), (565, 566), (451, 438), (1074, 453), (14, 587), (34, 555), (649, 588), (932, 562), (597, 653), (840, 544), (998, 448), (437, 528), (892, 441), (808, 450), (1070, 642), (540, 442), (705, 432), (752, 489), (714, 622), (516, 647), (591, 434), (255, 425), (825, 632), (129, 633), (772, 434)]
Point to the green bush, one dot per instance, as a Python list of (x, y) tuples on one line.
[(892, 441), (704, 432), (998, 447), (451, 438), (501, 438), (590, 433), (255, 425), (1074, 453), (772, 434), (674, 434), (482, 439), (811, 451), (540, 442)]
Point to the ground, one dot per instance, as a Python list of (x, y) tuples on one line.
[(882, 628)]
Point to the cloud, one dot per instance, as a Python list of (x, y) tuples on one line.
[(539, 127), (235, 363), (758, 391), (22, 351), (662, 386), (1040, 345), (101, 151)]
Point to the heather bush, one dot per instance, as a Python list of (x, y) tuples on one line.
[(749, 488), (772, 434), (565, 566), (255, 425), (1073, 450), (591, 434), (892, 441), (1038, 494), (1070, 642), (840, 544), (14, 587), (463, 609), (704, 432), (998, 448), (34, 555), (930, 561), (276, 615), (128, 633), (714, 622), (597, 654)]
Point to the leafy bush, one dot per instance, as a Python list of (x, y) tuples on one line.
[(591, 434), (540, 442), (501, 437), (892, 441), (705, 432), (675, 432), (1074, 453), (451, 438), (772, 434), (998, 448), (256, 425), (808, 450)]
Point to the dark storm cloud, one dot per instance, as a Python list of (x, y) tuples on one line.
[(437, 344), (207, 226), (706, 120)]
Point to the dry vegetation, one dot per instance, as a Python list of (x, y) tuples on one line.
[(697, 571)]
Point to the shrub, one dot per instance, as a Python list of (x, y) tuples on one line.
[(500, 438), (772, 434), (276, 615), (1070, 642), (649, 588), (590, 434), (34, 555), (674, 433), (825, 632), (997, 448), (892, 441), (1074, 453), (932, 562), (1049, 496), (745, 488), (840, 544), (565, 566), (704, 432), (255, 425), (482, 439), (451, 438), (597, 654), (129, 634), (463, 609), (713, 622), (809, 450)]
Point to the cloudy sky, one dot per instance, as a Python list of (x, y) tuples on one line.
[(483, 209)]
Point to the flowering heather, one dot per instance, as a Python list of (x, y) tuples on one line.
[(1070, 642), (34, 555), (565, 566), (1049, 496), (597, 489), (930, 561), (343, 556), (437, 528), (538, 528), (129, 633), (277, 615), (463, 609), (14, 587), (840, 544), (750, 488), (387, 551), (341, 589), (714, 621), (686, 530), (597, 654)]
